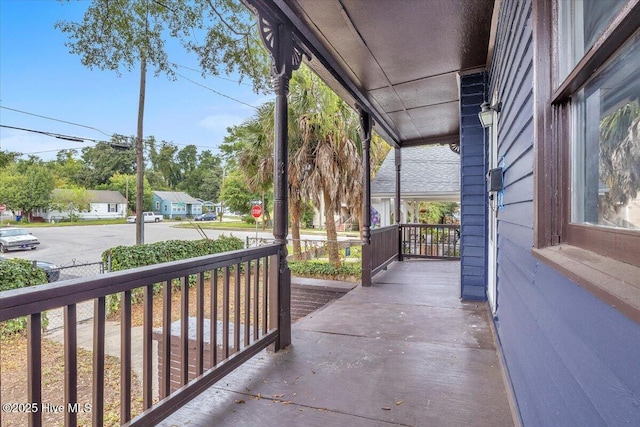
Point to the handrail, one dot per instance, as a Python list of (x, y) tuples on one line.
[(434, 241), (36, 299), (252, 273)]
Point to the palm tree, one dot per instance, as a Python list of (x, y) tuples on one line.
[(324, 154), (620, 157)]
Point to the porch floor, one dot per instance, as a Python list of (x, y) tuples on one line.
[(403, 352)]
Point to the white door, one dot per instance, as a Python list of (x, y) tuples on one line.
[(492, 249)]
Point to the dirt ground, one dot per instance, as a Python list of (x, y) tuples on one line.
[(13, 359)]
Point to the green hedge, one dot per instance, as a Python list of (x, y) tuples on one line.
[(15, 274), (325, 270), (125, 257)]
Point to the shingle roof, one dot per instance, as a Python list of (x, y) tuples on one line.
[(176, 197), (101, 196), (426, 170)]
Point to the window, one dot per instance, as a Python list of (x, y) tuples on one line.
[(588, 162), (158, 206), (112, 207), (580, 24), (605, 152), (587, 142)]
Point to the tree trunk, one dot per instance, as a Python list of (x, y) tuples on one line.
[(333, 250), (294, 211)]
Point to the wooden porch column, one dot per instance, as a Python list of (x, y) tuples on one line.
[(365, 132), (398, 159), (286, 53)]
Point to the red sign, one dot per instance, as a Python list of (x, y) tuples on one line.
[(2, 208), (256, 211)]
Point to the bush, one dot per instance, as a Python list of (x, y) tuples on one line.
[(325, 270), (249, 219), (15, 274), (125, 257)]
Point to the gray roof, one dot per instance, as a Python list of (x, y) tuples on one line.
[(427, 171), (176, 197), (101, 196)]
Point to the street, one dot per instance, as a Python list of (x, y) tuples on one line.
[(86, 243)]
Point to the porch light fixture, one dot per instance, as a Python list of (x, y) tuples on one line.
[(487, 112)]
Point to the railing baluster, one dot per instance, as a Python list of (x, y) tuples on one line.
[(213, 342), (70, 365), (147, 348), (34, 367), (184, 330), (165, 387), (125, 357), (256, 300), (99, 320), (247, 304), (236, 312), (200, 324), (225, 314), (265, 295)]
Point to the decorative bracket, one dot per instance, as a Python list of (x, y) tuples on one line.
[(278, 37)]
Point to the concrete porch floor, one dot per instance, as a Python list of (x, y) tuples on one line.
[(403, 352)]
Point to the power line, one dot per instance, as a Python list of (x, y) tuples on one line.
[(82, 140), (52, 134), (55, 120), (216, 92), (211, 75)]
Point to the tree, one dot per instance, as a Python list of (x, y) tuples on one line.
[(124, 33), (620, 158), (7, 158), (102, 160), (72, 200), (33, 189), (163, 160), (125, 184), (236, 194)]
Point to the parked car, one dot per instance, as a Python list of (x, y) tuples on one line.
[(16, 238), (147, 216), (51, 270), (210, 216)]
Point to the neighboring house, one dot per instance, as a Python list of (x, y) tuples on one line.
[(207, 205), (174, 204), (103, 204), (429, 173)]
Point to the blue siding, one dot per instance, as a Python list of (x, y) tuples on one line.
[(572, 359), (473, 194)]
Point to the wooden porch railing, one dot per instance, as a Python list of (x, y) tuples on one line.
[(243, 287), (381, 252), (437, 241), (396, 242)]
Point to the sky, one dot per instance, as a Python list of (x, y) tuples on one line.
[(39, 77)]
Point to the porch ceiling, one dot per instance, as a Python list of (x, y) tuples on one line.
[(399, 59)]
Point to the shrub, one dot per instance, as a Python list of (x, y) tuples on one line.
[(15, 274), (326, 270), (249, 219), (125, 257)]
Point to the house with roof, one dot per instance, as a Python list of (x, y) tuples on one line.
[(174, 204), (97, 204), (429, 173)]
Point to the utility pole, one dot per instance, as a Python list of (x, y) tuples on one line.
[(140, 155)]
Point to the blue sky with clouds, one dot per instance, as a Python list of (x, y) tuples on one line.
[(39, 76)]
